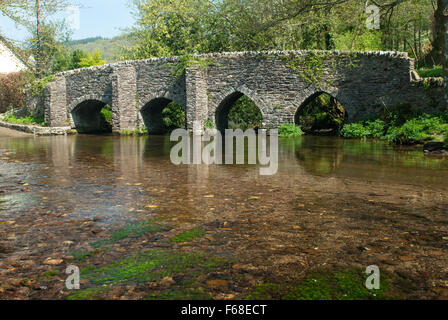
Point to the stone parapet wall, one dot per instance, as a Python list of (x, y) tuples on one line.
[(279, 82)]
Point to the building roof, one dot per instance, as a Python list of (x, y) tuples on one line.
[(14, 50)]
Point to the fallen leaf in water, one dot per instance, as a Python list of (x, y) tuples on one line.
[(53, 262), (406, 258), (296, 227), (218, 284), (254, 198), (8, 222), (209, 196), (151, 206)]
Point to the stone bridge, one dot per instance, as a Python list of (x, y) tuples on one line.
[(279, 83)]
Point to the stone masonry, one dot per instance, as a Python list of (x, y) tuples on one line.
[(279, 83)]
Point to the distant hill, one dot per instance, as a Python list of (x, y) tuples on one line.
[(109, 48)]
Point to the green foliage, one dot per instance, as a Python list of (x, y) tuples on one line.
[(91, 60), (366, 40), (175, 27), (165, 28), (190, 235), (363, 130), (209, 124), (187, 61), (310, 67), (412, 132), (106, 112), (109, 48), (290, 130), (434, 72), (244, 114), (173, 116), (400, 128), (323, 113), (38, 85), (28, 120)]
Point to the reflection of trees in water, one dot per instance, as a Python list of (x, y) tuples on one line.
[(315, 155), (324, 156)]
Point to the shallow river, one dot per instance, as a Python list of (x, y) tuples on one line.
[(333, 202)]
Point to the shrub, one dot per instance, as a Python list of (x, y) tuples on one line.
[(29, 120), (355, 131), (412, 132), (322, 113), (173, 116), (107, 113), (208, 124), (245, 114), (290, 130), (12, 92), (435, 71)]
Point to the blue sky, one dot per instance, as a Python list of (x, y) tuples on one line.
[(103, 18)]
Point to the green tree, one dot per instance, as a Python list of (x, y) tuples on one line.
[(91, 60)]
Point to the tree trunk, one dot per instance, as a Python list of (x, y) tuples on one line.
[(38, 44), (443, 8), (438, 42)]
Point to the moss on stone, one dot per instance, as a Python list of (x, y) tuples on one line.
[(190, 235), (324, 285), (152, 265), (88, 294), (133, 230), (180, 294)]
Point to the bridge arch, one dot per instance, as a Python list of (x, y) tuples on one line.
[(227, 102), (153, 117), (321, 113), (85, 114)]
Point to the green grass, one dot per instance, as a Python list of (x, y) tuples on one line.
[(29, 120), (190, 235), (323, 285), (290, 130), (434, 72)]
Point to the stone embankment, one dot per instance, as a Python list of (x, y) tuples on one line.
[(37, 130)]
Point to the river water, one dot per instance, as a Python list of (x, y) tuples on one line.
[(333, 202)]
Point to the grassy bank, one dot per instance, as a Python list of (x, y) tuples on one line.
[(401, 129), (28, 120)]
